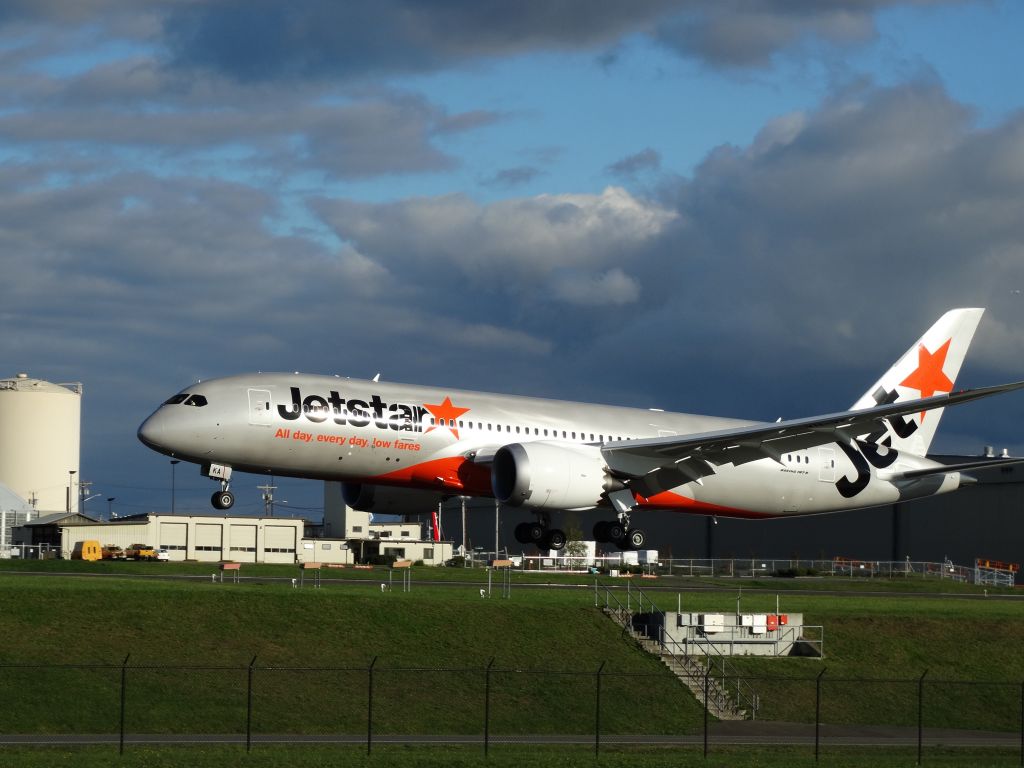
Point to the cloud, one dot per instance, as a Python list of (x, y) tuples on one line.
[(251, 41), (519, 248), (511, 177), (259, 40), (628, 167), (611, 288), (832, 240)]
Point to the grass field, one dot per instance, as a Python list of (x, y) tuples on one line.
[(190, 641)]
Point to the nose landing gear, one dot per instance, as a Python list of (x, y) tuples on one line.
[(224, 498)]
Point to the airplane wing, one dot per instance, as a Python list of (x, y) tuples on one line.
[(655, 464)]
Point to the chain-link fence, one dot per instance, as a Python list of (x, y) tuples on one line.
[(248, 704)]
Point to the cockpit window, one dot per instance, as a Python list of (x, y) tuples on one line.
[(177, 399), (196, 400)]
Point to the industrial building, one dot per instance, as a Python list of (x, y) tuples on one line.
[(218, 538)]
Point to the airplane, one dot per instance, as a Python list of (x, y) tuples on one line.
[(397, 447)]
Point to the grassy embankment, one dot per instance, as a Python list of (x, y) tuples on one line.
[(551, 633)]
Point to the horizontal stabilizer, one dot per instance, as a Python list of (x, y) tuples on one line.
[(946, 469)]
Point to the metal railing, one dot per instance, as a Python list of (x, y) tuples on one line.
[(725, 640), (715, 665), (754, 567)]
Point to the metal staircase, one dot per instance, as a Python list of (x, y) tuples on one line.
[(723, 693)]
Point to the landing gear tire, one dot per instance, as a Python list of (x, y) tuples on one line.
[(522, 533), (554, 539), (223, 500), (636, 538), (536, 532), (616, 532)]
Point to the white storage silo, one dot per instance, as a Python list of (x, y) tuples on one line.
[(40, 440)]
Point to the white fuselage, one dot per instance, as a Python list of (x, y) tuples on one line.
[(435, 439)]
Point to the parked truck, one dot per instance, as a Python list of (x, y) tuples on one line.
[(140, 552)]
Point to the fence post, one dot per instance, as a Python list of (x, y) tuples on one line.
[(369, 706), (920, 714), (597, 712), (707, 703), (817, 714), (248, 708), (487, 706), (124, 690)]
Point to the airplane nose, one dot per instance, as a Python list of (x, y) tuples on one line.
[(152, 432), (149, 432)]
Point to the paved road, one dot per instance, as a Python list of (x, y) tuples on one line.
[(745, 733)]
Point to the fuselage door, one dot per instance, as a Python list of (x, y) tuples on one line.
[(259, 407), (827, 464)]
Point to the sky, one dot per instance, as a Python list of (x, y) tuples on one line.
[(743, 208)]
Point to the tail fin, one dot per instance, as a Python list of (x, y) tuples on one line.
[(930, 367)]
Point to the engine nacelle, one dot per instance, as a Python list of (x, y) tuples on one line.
[(549, 475), (389, 500)]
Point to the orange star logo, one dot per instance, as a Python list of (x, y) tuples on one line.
[(929, 377), (445, 414)]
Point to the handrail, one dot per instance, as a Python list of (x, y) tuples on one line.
[(746, 696)]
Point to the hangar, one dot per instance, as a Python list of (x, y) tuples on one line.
[(348, 538)]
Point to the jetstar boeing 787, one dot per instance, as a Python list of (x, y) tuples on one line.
[(394, 446)]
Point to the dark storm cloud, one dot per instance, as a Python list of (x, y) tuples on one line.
[(319, 38), (264, 40), (830, 243)]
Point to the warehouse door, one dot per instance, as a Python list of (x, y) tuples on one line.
[(208, 542), (243, 544), (174, 538), (279, 543)]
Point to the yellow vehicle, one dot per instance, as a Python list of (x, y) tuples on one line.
[(87, 550), (140, 552), (113, 552)]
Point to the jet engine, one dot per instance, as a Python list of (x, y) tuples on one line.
[(389, 500), (550, 475)]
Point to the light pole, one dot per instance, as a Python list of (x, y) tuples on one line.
[(174, 463), (110, 507), (464, 499), (71, 485)]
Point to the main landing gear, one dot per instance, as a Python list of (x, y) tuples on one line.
[(540, 534), (619, 533), (224, 498)]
